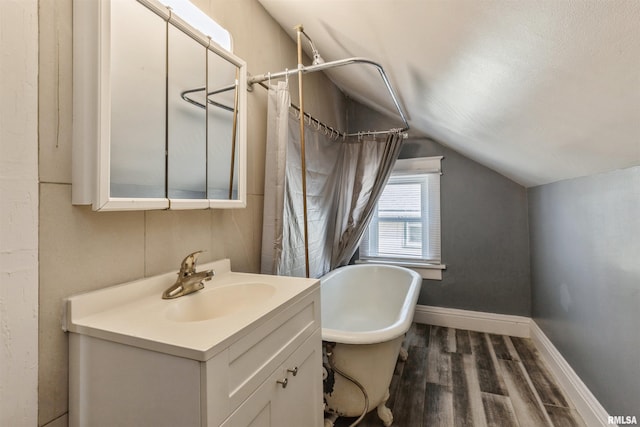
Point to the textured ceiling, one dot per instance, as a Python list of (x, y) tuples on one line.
[(537, 90)]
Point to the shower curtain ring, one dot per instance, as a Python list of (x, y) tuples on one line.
[(286, 76)]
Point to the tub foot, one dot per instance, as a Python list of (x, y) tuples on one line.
[(384, 413), (330, 420), (403, 355)]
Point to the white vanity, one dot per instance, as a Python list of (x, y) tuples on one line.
[(243, 351)]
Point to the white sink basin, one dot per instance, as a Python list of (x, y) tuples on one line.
[(194, 326), (219, 302)]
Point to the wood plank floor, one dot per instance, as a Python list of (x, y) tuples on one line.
[(458, 378)]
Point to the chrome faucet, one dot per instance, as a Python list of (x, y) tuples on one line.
[(188, 280)]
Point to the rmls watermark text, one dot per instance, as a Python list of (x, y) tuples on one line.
[(622, 419)]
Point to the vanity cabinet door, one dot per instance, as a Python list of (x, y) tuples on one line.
[(298, 403), (301, 402)]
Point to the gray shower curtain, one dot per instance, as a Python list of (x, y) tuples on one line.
[(344, 181)]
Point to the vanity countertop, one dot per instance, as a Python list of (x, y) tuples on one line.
[(135, 314)]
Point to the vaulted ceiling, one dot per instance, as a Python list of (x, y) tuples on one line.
[(538, 90)]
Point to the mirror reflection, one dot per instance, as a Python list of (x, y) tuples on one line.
[(222, 180), (137, 122), (186, 130)]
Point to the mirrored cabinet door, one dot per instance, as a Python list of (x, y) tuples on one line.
[(137, 122), (186, 130), (222, 131)]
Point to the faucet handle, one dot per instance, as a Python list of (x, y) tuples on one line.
[(188, 265)]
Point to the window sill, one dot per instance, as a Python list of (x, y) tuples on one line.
[(427, 271)]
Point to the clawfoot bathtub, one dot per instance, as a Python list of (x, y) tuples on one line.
[(366, 311)]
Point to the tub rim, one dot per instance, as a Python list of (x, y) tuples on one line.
[(394, 330)]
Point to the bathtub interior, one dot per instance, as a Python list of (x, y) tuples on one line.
[(365, 298)]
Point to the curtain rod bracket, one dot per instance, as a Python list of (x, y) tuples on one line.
[(250, 83)]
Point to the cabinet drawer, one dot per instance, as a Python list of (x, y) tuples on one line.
[(233, 375)]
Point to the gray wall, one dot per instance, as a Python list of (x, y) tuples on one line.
[(484, 237), (585, 261), (484, 227)]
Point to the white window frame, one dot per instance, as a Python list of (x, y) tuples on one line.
[(412, 169)]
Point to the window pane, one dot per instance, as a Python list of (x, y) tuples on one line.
[(393, 242), (401, 200), (413, 234), (398, 223), (406, 223)]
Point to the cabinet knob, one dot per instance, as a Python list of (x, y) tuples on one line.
[(283, 382), (293, 371)]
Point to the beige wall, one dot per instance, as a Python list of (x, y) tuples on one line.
[(81, 250), (18, 212)]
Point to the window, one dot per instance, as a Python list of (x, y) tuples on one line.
[(405, 227)]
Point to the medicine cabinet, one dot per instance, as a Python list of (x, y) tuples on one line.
[(159, 111)]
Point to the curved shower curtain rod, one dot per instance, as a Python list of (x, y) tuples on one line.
[(338, 63), (260, 79)]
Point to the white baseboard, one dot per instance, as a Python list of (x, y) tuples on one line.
[(585, 402), (503, 324)]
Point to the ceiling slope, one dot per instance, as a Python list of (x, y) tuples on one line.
[(539, 91)]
